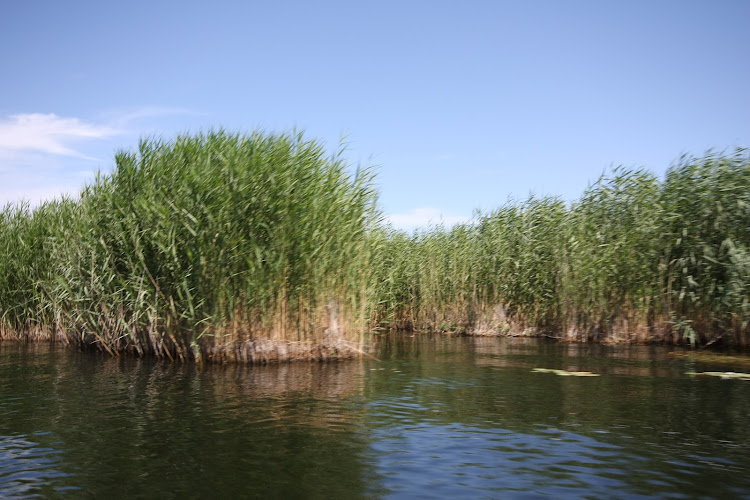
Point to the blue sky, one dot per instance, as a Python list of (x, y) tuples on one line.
[(459, 105)]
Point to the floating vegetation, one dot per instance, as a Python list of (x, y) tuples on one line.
[(564, 373), (724, 375), (713, 358)]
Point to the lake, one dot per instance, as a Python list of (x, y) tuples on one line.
[(431, 417)]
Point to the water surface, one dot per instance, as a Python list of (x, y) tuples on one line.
[(432, 417)]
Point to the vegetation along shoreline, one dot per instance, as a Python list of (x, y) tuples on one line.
[(258, 248)]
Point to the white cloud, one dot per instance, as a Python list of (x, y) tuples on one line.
[(48, 134), (423, 217), (40, 154), (125, 118)]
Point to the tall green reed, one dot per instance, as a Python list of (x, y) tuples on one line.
[(194, 246), (208, 240), (635, 258)]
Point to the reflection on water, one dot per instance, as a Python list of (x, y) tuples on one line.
[(133, 428), (437, 416)]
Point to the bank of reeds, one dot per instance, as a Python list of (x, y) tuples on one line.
[(636, 258), (218, 246), (262, 248)]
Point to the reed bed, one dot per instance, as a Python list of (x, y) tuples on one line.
[(636, 258), (260, 248), (206, 246)]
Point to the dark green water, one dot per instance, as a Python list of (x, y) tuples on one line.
[(437, 417)]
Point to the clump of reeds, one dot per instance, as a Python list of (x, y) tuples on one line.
[(203, 243), (635, 258)]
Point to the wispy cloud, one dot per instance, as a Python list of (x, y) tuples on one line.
[(126, 118), (49, 134), (423, 217), (40, 153)]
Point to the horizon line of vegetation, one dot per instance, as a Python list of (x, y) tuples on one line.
[(218, 242)]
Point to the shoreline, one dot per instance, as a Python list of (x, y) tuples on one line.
[(260, 352)]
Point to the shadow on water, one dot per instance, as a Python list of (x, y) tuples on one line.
[(438, 416)]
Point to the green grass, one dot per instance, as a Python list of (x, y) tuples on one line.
[(226, 246)]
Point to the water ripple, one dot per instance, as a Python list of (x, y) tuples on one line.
[(469, 462), (27, 468)]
